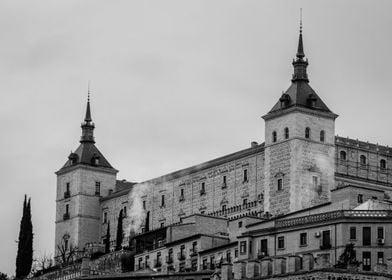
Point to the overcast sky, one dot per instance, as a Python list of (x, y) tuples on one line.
[(174, 83)]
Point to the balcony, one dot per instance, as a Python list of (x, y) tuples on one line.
[(181, 256), (262, 254), (169, 259), (66, 216), (202, 192), (181, 198), (326, 245), (67, 194)]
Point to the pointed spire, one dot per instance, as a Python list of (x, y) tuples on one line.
[(88, 110), (299, 63), (300, 50)]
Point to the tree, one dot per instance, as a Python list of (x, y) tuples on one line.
[(107, 239), (24, 257), (348, 257), (119, 237), (66, 254), (3, 276)]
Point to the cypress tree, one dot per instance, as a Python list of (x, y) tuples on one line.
[(24, 257), (119, 238), (107, 240)]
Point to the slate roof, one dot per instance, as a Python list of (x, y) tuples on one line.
[(300, 94), (85, 154)]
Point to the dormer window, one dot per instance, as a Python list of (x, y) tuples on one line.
[(286, 133), (322, 136), (274, 137), (307, 133)]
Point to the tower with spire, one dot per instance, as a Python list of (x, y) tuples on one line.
[(299, 145), (85, 177)]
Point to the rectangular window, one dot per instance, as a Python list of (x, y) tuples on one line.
[(212, 262), (380, 257), (67, 209), (245, 175), (97, 188), (353, 233), (243, 247), (326, 240), (146, 263), (303, 239), (360, 198), (194, 247), (125, 211), (205, 263), (162, 225), (245, 201), (182, 192), (281, 242), (67, 188), (223, 207), (144, 204), (224, 180), (240, 224), (380, 233), (264, 247), (236, 253), (366, 263), (366, 236), (105, 217), (315, 181), (280, 184), (163, 200), (203, 188)]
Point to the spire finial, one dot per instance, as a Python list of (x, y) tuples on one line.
[(299, 63), (300, 20), (88, 111)]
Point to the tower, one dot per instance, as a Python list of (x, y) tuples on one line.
[(84, 178), (299, 145)]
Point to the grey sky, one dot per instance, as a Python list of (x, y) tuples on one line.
[(174, 83)]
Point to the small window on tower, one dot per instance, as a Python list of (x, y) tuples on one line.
[(360, 198), (322, 135), (280, 184), (274, 137), (105, 217), (343, 155), (144, 205), (383, 164), (203, 188), (286, 133), (163, 200), (307, 133), (245, 176), (362, 160), (97, 188)]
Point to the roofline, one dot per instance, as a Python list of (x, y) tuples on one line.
[(218, 247), (293, 108), (289, 214), (67, 169), (192, 237), (354, 186), (116, 194), (208, 164)]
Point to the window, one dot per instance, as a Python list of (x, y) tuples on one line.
[(360, 198), (383, 164), (66, 244), (274, 137), (380, 257), (245, 202), (380, 233), (67, 209), (162, 225), (205, 263), (315, 181), (163, 200), (303, 239), (224, 180), (202, 212), (144, 204), (212, 262), (240, 224), (182, 192), (125, 211), (67, 187), (366, 236), (264, 247), (223, 207), (362, 160), (97, 188), (203, 188), (194, 247), (280, 184), (307, 133), (366, 263), (236, 253), (140, 263), (322, 136), (228, 256), (286, 133), (343, 155), (281, 242), (105, 217), (353, 233), (146, 262), (182, 195), (326, 240), (245, 175), (243, 247)]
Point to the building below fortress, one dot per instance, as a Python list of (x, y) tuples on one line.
[(292, 204)]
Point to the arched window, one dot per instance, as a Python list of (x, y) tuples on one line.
[(322, 135), (274, 137), (307, 133), (383, 164), (286, 133), (362, 160), (343, 155)]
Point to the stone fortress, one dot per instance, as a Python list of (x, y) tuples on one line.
[(303, 182)]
